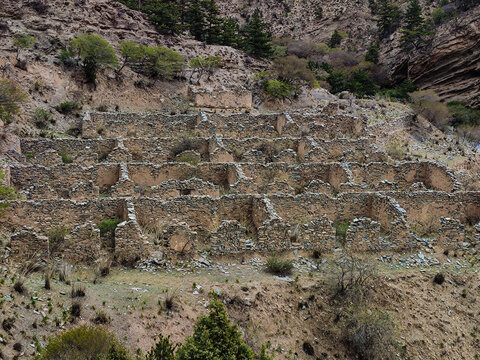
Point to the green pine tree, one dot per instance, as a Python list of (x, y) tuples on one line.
[(413, 16), (165, 15), (216, 338), (213, 22), (203, 20), (195, 20), (229, 33), (372, 54), (256, 39), (389, 17), (163, 350), (416, 28), (335, 40)]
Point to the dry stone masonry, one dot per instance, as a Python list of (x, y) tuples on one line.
[(228, 184)]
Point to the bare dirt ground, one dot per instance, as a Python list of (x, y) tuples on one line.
[(431, 321)]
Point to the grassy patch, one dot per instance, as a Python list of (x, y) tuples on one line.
[(107, 231), (279, 267), (68, 107), (189, 158), (67, 158), (341, 228)]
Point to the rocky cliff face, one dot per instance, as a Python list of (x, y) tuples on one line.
[(451, 65), (298, 19), (448, 65)]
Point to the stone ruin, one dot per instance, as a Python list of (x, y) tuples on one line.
[(228, 185)]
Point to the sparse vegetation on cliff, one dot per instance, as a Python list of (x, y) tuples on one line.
[(11, 97)]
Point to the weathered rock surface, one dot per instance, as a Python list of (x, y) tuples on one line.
[(450, 65)]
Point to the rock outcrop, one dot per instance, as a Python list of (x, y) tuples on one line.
[(448, 65)]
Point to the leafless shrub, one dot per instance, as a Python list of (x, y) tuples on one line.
[(368, 334), (17, 346), (397, 149), (31, 265), (56, 237), (152, 230), (339, 59), (183, 145), (305, 49), (4, 27), (352, 278), (427, 104), (127, 258), (47, 275)]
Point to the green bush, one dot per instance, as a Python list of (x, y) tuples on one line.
[(361, 84), (438, 16), (23, 41), (279, 267), (117, 353), (189, 158), (66, 57), (67, 107), (462, 115), (6, 193), (56, 236), (84, 342), (373, 53), (216, 338), (205, 65), (402, 91), (293, 71), (67, 158), (11, 96), (337, 81), (278, 89), (341, 228), (42, 117), (95, 53), (107, 227), (132, 54), (107, 232), (163, 350), (157, 62), (163, 63)]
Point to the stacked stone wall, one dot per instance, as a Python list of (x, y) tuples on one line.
[(228, 185)]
